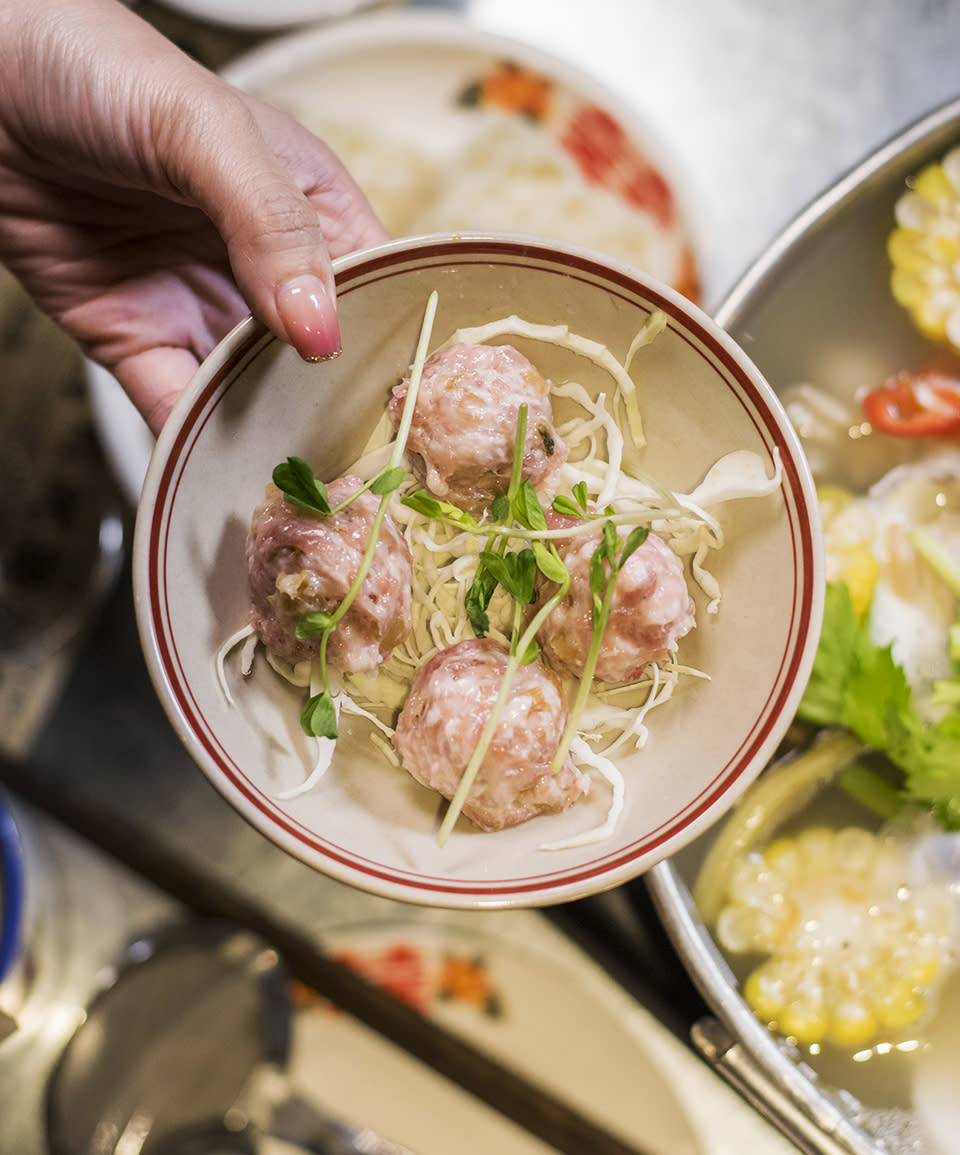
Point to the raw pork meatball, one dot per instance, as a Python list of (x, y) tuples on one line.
[(440, 725), (300, 562), (465, 422), (652, 609)]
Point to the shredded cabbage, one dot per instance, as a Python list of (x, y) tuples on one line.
[(445, 561)]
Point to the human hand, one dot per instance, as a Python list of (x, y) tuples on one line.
[(147, 206)]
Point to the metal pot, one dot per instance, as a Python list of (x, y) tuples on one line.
[(816, 307)]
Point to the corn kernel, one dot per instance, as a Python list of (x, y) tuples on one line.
[(804, 1020), (853, 1025), (782, 855), (900, 1006), (764, 994), (904, 250), (924, 971), (932, 184), (860, 570)]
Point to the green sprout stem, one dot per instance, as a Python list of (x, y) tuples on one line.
[(514, 662), (589, 524), (396, 458), (586, 678)]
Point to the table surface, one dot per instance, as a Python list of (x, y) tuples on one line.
[(763, 104)]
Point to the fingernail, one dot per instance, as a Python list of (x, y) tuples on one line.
[(309, 315)]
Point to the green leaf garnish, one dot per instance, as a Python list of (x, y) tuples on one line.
[(295, 478), (527, 508), (857, 685), (478, 599), (565, 506), (635, 538), (387, 481), (530, 654), (516, 572), (422, 502), (315, 624), (549, 563), (500, 509), (318, 718)]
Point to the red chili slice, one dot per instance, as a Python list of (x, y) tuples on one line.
[(921, 404)]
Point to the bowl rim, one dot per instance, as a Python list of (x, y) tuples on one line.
[(544, 887)]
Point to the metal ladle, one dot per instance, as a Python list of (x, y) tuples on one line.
[(184, 1054)]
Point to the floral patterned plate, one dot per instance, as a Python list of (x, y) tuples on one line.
[(558, 1022), (449, 127)]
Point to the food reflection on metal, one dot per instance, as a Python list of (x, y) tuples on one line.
[(183, 1053)]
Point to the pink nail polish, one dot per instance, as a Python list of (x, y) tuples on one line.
[(309, 316)]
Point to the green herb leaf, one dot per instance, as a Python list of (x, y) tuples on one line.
[(495, 565), (315, 624), (581, 496), (530, 654), (598, 572), (566, 507), (549, 563), (478, 598), (387, 481), (523, 572), (422, 502), (857, 685), (500, 509), (635, 539), (319, 716), (527, 508), (295, 478), (516, 572)]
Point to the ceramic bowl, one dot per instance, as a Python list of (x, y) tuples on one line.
[(254, 403)]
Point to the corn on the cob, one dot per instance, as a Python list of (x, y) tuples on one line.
[(924, 250), (854, 947)]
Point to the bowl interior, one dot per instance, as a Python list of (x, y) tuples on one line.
[(255, 402)]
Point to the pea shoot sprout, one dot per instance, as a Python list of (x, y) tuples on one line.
[(319, 715)]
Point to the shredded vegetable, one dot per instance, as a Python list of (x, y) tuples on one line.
[(446, 553)]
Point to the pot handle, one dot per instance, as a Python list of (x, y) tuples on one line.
[(731, 1060)]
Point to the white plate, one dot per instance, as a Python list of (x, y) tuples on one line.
[(565, 1028), (396, 89)]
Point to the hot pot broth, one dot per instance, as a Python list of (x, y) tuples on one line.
[(876, 489)]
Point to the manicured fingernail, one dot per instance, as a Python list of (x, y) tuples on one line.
[(309, 315)]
